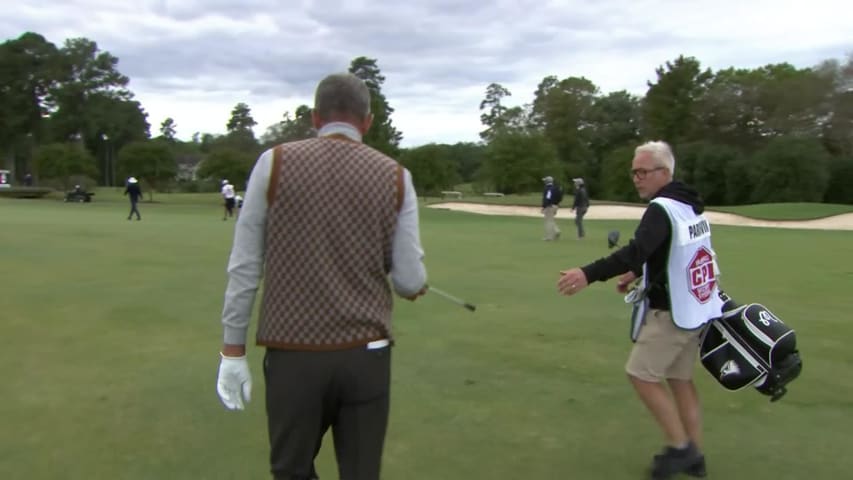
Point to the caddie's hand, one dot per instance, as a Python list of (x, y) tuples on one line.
[(624, 281), (420, 293), (234, 384), (571, 281)]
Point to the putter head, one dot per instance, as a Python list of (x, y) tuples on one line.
[(613, 239)]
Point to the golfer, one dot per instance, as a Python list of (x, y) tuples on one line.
[(325, 315)]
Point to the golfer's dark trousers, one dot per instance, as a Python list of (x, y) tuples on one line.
[(308, 392)]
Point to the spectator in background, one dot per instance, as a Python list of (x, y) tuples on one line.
[(134, 193), (581, 205), (230, 197), (551, 197)]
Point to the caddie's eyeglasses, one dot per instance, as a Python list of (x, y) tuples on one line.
[(641, 173)]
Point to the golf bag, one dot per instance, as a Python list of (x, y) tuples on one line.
[(749, 346)]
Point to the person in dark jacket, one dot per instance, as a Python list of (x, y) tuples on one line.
[(671, 250), (134, 193), (580, 205)]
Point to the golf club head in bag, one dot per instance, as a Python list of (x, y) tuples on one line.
[(613, 239), (750, 346)]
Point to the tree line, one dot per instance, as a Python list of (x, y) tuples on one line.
[(67, 116), (774, 133), (771, 134)]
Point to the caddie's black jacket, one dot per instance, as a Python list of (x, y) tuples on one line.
[(650, 243)]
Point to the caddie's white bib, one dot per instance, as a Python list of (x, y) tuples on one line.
[(691, 267)]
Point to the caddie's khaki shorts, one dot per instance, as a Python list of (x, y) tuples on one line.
[(663, 350)]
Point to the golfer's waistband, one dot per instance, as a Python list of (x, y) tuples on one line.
[(309, 347)]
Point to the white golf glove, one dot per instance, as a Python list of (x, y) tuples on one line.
[(234, 384)]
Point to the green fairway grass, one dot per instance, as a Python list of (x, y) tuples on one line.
[(111, 335), (787, 211)]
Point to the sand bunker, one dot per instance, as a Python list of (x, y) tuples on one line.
[(624, 212)]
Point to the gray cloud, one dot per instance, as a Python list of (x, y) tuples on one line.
[(438, 56)]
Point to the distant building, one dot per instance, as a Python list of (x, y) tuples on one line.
[(188, 165), (5, 178)]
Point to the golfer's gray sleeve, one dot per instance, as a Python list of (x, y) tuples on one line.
[(408, 273), (245, 267)]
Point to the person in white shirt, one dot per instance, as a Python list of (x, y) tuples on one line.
[(229, 195)]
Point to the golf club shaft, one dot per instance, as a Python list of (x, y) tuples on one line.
[(453, 299)]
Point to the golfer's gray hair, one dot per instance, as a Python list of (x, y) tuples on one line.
[(660, 152), (342, 94)]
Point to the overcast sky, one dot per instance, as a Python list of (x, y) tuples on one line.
[(193, 60)]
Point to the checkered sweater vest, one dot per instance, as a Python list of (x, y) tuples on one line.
[(327, 263)]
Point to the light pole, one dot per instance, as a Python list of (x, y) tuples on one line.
[(28, 161), (109, 175)]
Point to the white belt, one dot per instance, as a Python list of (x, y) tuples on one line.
[(378, 344)]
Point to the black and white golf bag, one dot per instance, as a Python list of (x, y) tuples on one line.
[(749, 346)]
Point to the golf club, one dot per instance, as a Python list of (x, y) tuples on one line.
[(453, 299)]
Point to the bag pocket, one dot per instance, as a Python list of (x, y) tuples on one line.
[(730, 363)]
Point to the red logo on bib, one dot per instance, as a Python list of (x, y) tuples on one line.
[(701, 275)]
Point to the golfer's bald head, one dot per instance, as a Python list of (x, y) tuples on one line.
[(342, 96)]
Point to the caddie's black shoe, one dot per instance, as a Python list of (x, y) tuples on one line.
[(698, 469), (674, 461)]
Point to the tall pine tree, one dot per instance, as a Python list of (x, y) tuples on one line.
[(382, 134)]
